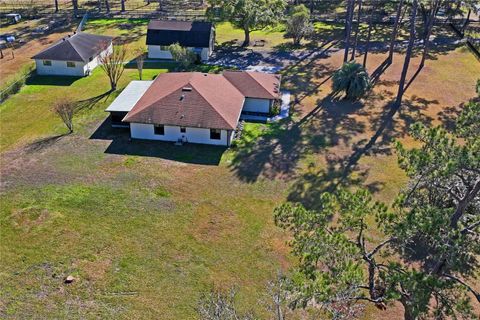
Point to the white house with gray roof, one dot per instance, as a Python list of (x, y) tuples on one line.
[(74, 55)]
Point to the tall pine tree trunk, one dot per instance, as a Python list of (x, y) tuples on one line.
[(107, 6), (395, 31), (369, 36), (426, 41), (75, 7), (408, 54), (56, 5), (357, 30), (123, 5), (348, 27), (407, 309), (466, 21)]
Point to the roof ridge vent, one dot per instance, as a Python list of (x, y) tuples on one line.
[(187, 89)]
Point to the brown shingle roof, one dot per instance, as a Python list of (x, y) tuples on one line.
[(255, 84), (189, 99)]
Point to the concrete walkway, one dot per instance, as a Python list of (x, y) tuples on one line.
[(284, 108)]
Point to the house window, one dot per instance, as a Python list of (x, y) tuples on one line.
[(215, 134), (70, 64), (183, 129), (47, 62), (159, 130)]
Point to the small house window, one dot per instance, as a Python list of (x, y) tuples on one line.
[(183, 129), (47, 62), (70, 64), (159, 130), (215, 134)]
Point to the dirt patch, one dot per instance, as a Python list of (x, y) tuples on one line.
[(212, 224), (95, 270), (29, 217)]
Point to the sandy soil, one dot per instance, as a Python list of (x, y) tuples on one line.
[(28, 44)]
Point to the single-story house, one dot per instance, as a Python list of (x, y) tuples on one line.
[(74, 55), (192, 106), (197, 36)]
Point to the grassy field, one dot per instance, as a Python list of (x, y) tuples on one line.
[(37, 96), (146, 227)]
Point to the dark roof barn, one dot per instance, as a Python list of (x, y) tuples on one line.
[(186, 33)]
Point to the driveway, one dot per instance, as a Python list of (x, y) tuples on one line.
[(262, 60)]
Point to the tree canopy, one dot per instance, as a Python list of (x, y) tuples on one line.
[(421, 251), (298, 23), (250, 15)]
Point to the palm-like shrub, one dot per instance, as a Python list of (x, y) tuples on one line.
[(353, 79)]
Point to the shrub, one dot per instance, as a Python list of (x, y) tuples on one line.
[(275, 109), (182, 55), (65, 109), (353, 79), (298, 24)]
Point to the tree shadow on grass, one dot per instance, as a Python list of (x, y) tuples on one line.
[(344, 171), (92, 102), (122, 144), (277, 152), (305, 77), (273, 154), (44, 143)]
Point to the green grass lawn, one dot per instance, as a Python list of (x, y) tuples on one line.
[(226, 33), (38, 95), (131, 32), (135, 248)]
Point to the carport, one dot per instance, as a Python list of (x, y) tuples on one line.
[(126, 101)]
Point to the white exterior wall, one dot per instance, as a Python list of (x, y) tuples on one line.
[(257, 105), (96, 61), (172, 133), (59, 68), (205, 54), (154, 52)]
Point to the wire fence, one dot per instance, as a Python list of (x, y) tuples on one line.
[(40, 7), (15, 85)]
